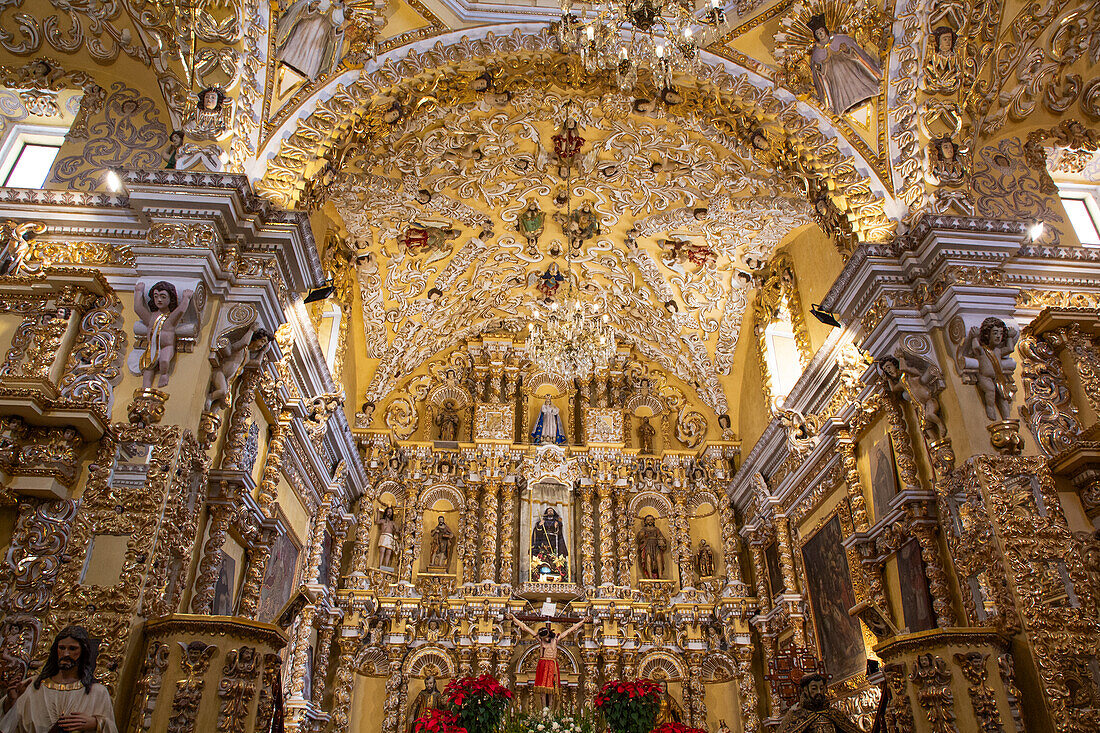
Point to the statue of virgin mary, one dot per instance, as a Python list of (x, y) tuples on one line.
[(308, 37), (549, 428)]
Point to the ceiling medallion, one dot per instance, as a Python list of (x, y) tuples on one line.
[(623, 36)]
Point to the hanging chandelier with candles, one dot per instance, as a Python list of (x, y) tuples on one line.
[(623, 36), (570, 339)]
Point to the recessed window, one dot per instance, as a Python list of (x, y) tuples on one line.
[(1082, 216), (784, 361), (329, 331), (32, 165)]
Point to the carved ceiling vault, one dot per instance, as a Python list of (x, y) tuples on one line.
[(458, 141)]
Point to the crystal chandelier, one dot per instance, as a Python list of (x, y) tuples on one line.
[(623, 36), (570, 339)]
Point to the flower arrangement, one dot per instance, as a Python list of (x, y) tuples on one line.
[(676, 728), (478, 702), (549, 564), (438, 721), (549, 722), (629, 707)]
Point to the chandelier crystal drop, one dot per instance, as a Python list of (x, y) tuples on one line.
[(623, 36), (570, 339)]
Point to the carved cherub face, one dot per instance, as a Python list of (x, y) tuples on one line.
[(161, 298), (821, 34), (947, 150), (211, 100), (945, 42)]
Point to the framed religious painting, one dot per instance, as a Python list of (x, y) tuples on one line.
[(829, 584), (884, 475), (225, 586), (916, 601), (775, 572), (280, 577)]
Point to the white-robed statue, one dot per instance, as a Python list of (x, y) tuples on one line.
[(549, 428), (845, 76), (308, 37), (65, 695)]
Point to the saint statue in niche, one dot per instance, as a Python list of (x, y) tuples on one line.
[(442, 541), (549, 553), (651, 547), (448, 422), (549, 428), (309, 36), (845, 76), (645, 437)]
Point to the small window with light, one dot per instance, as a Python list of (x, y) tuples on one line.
[(781, 352), (28, 154), (1083, 216)]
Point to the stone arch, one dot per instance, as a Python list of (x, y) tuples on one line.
[(663, 666), (428, 657), (651, 499), (311, 132)]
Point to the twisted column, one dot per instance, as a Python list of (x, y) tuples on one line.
[(266, 496), (343, 682), (210, 565), (760, 573), (325, 635), (786, 563), (360, 547), (588, 539), (414, 528), (623, 522), (607, 561), (489, 532), (507, 535), (697, 712), (469, 542), (852, 481), (681, 540), (730, 547), (396, 691), (317, 540), (236, 434), (299, 653), (936, 573), (589, 658), (746, 689)]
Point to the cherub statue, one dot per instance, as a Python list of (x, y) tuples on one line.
[(230, 359), (579, 225), (910, 374), (944, 163), (801, 429), (531, 223), (941, 70), (985, 359), (161, 314)]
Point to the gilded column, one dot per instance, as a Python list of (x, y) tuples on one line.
[(396, 692), (746, 689), (236, 434), (938, 585), (360, 547), (852, 481), (760, 573), (625, 541), (299, 653), (469, 542), (325, 634), (735, 578), (489, 532), (317, 540), (588, 539), (340, 533), (698, 710), (607, 522), (507, 533), (680, 539), (210, 565), (414, 528), (265, 497), (589, 658), (786, 562), (343, 682)]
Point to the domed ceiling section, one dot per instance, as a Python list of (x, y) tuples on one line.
[(438, 163)]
